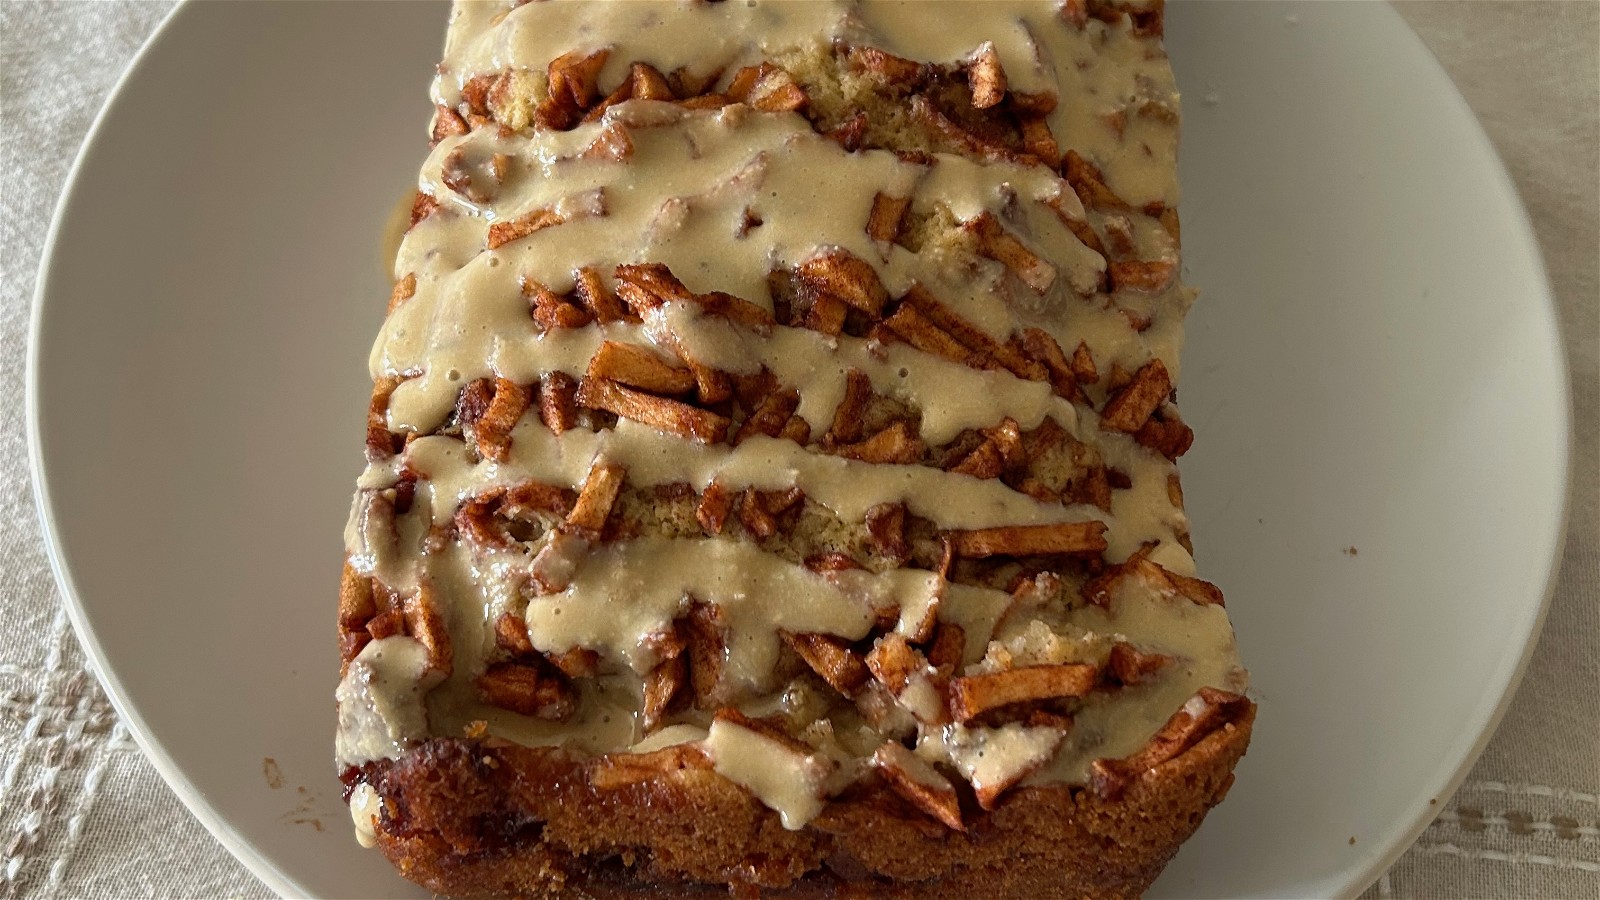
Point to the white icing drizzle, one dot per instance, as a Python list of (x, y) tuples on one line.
[(380, 701), (724, 198), (789, 782), (1200, 640), (469, 316), (364, 806), (989, 756), (1097, 71), (846, 487), (625, 591)]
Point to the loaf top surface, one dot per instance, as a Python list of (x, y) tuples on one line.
[(794, 380)]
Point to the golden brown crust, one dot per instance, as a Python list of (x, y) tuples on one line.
[(473, 818)]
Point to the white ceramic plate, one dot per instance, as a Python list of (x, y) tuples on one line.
[(1374, 365)]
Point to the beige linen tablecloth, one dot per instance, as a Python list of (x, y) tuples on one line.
[(82, 814)]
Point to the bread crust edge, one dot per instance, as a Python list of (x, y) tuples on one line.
[(483, 817)]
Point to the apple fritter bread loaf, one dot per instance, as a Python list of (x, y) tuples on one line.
[(771, 473)]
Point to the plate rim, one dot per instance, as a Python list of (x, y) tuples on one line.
[(1358, 877), (186, 791), (1527, 239)]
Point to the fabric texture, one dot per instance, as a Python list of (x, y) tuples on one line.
[(83, 814)]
